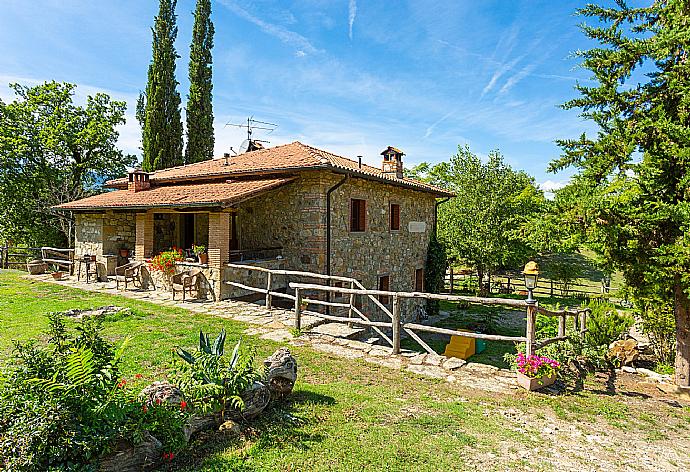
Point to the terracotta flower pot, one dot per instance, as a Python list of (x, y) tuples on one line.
[(530, 383), (203, 258), (124, 252), (57, 275)]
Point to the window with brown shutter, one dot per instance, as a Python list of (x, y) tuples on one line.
[(395, 217), (419, 280), (358, 215), (384, 285)]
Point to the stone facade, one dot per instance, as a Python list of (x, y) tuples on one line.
[(104, 233), (292, 217)]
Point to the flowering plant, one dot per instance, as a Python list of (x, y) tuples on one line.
[(165, 261), (536, 367), (200, 249)]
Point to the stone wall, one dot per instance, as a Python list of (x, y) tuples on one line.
[(88, 237), (166, 227), (292, 217), (119, 230)]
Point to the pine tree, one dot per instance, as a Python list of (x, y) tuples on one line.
[(160, 113), (200, 138), (633, 181)]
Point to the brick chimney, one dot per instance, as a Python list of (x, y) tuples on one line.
[(138, 181), (392, 162)]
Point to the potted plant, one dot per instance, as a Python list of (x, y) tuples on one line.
[(535, 372), (200, 252), (57, 275), (165, 262), (124, 252)]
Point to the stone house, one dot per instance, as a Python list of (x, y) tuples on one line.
[(291, 207)]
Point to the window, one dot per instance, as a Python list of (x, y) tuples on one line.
[(384, 285), (358, 215), (419, 280), (395, 217)]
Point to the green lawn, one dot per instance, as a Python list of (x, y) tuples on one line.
[(350, 415)]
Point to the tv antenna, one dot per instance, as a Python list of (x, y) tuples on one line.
[(252, 125)]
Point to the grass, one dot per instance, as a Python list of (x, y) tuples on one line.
[(343, 414)]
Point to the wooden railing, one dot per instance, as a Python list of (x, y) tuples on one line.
[(13, 257), (361, 319), (397, 326)]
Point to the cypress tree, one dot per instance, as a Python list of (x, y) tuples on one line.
[(200, 138), (160, 113)]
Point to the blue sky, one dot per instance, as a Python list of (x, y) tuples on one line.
[(348, 76)]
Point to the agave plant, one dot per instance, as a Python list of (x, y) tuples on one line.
[(217, 348)]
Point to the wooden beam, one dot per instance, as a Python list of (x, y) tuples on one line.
[(420, 341), (452, 332)]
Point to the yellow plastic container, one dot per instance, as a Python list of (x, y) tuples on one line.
[(460, 346)]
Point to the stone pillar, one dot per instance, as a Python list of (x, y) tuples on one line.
[(144, 236), (218, 248)]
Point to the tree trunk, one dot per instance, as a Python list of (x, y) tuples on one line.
[(682, 312), (480, 276)]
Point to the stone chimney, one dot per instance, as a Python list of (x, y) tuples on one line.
[(392, 162), (138, 181)]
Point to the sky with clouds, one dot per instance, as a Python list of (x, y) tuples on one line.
[(349, 76)]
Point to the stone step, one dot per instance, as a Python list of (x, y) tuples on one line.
[(338, 330)]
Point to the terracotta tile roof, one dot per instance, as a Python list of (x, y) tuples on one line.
[(287, 157), (185, 195)]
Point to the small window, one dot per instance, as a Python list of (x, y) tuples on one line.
[(384, 285), (358, 215), (419, 280), (395, 217)]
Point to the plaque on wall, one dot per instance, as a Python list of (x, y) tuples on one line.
[(416, 226)]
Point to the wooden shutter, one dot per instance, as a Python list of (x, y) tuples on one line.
[(395, 216), (419, 280), (384, 285), (358, 215)]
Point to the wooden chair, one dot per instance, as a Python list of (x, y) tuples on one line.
[(128, 273), (186, 281)]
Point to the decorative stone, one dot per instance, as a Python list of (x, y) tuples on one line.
[(434, 359), (281, 373), (256, 399), (454, 363), (626, 351), (230, 427), (159, 392)]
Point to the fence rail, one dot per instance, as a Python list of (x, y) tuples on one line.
[(396, 325), (514, 283), (17, 256)]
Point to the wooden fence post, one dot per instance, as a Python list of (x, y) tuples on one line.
[(298, 309), (269, 297), (531, 329), (583, 323), (352, 303), (452, 280), (561, 325), (396, 325), (551, 294)]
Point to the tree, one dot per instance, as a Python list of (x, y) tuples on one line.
[(159, 107), (633, 173), (480, 226), (53, 151), (200, 139)]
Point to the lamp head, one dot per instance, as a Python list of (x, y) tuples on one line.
[(531, 273)]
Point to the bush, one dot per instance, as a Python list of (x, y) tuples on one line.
[(605, 324), (212, 381), (434, 273), (659, 324), (63, 405)]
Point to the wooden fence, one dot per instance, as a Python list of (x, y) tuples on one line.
[(397, 326), (16, 257), (515, 284)]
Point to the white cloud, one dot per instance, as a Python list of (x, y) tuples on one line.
[(352, 13), (283, 34)]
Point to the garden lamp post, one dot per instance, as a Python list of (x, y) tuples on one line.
[(531, 273)]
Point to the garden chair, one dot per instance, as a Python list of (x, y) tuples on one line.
[(186, 281), (128, 273)]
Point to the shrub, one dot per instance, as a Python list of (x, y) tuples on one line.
[(434, 272), (212, 381), (64, 404), (536, 366), (605, 324), (659, 324)]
